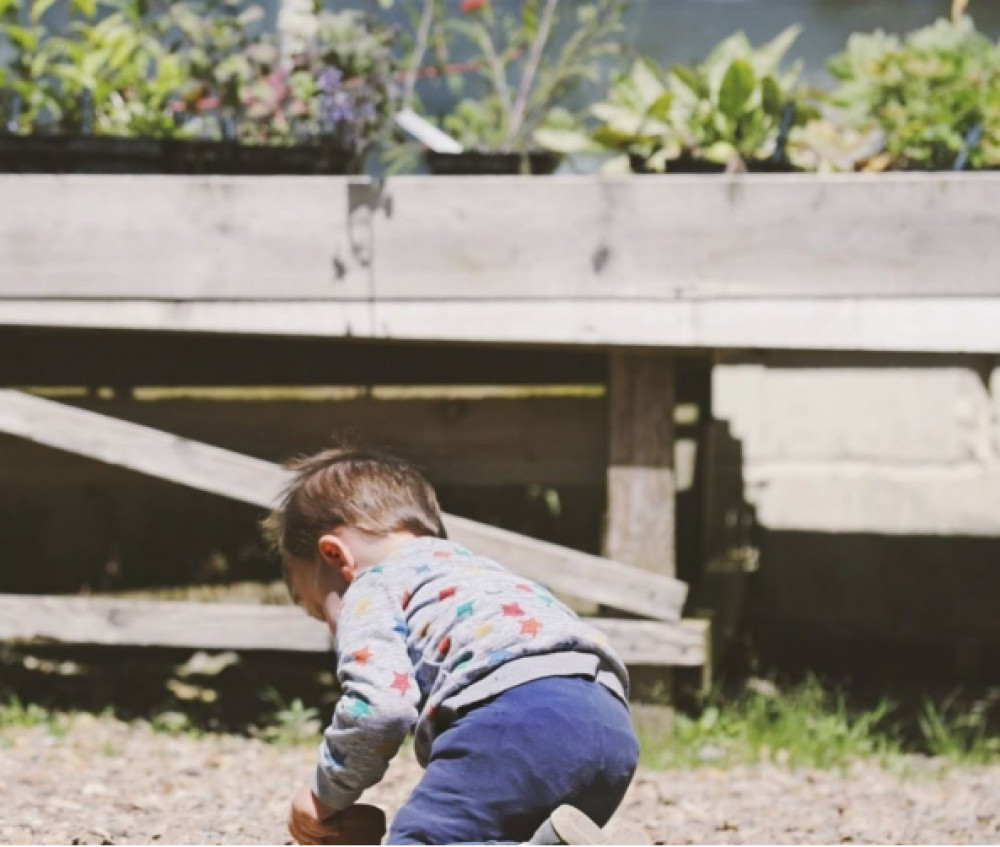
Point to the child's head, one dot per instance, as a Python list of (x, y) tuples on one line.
[(344, 511)]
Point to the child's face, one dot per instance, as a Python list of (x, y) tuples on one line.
[(317, 588)]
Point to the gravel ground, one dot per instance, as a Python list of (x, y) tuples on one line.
[(104, 781)]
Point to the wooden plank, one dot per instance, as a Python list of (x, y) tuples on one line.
[(572, 238), (257, 482), (229, 626), (877, 325), (641, 480), (38, 357), (489, 441), (180, 238), (568, 239)]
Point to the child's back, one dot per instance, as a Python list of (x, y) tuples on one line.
[(518, 706)]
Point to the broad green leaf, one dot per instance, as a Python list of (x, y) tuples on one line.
[(737, 88), (770, 55), (39, 8), (647, 81), (566, 141), (771, 99), (690, 79), (722, 153)]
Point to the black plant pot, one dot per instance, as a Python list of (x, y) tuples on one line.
[(109, 155), (539, 163), (48, 154), (692, 165), (228, 157)]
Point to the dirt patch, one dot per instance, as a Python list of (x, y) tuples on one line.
[(99, 780)]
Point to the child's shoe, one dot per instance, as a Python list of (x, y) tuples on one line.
[(568, 825)]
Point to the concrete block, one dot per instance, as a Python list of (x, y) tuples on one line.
[(878, 415), (963, 501)]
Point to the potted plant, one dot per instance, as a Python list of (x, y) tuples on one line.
[(735, 111), (930, 101), (320, 107), (517, 79), (194, 87)]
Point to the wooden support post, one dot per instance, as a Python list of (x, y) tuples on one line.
[(641, 484), (641, 481)]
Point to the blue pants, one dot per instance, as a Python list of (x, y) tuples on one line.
[(505, 765)]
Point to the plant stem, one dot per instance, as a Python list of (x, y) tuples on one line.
[(419, 49), (531, 70)]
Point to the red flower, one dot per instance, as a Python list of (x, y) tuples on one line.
[(471, 5)]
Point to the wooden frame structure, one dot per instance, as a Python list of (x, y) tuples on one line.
[(629, 269)]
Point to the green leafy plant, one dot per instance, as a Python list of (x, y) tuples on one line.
[(960, 735), (335, 83), (519, 75), (734, 108), (806, 725), (25, 97), (933, 97), (114, 74), (291, 724)]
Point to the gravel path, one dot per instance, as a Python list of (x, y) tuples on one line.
[(104, 781)]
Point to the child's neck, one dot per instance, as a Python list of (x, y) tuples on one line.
[(376, 550)]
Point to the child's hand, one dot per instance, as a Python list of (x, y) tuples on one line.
[(310, 822)]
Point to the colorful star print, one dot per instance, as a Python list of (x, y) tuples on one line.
[(500, 656), (547, 599), (523, 586), (425, 629), (512, 610), (465, 609), (363, 606), (422, 568), (461, 664), (359, 708), (401, 682), (461, 551), (407, 597), (483, 630), (401, 629), (362, 656), (442, 554), (445, 644), (445, 593), (530, 627)]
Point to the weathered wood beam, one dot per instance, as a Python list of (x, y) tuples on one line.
[(257, 482), (641, 481), (228, 626), (885, 324)]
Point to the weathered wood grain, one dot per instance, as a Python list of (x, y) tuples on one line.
[(676, 237), (641, 479), (940, 324), (254, 481), (228, 626), (184, 238)]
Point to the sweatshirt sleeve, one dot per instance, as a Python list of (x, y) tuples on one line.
[(380, 697)]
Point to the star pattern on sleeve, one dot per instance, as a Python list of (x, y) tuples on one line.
[(530, 627), (401, 682), (362, 656), (465, 610), (523, 586), (483, 630), (446, 593), (445, 645), (358, 708), (512, 610), (363, 607)]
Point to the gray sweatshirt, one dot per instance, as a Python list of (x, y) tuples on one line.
[(430, 630)]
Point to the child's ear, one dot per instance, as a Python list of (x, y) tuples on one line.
[(338, 556)]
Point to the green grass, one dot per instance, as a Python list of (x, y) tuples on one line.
[(17, 715), (810, 725)]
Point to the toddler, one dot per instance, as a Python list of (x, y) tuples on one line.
[(519, 708)]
